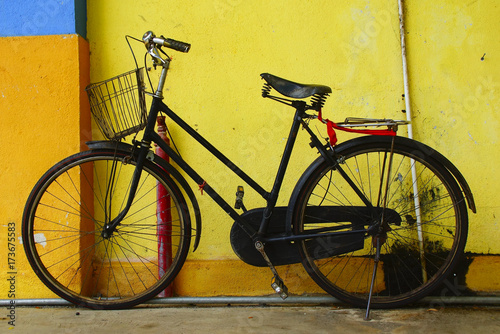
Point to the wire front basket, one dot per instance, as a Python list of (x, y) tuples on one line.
[(118, 104)]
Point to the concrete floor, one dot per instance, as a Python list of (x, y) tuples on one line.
[(252, 319)]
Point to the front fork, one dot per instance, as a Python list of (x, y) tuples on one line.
[(111, 224), (144, 146)]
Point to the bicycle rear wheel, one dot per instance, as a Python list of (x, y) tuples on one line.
[(64, 218), (426, 232)]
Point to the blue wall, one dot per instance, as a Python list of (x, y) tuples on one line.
[(43, 17)]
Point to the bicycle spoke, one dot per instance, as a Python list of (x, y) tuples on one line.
[(415, 253), (66, 232)]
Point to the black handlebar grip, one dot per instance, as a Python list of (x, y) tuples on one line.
[(176, 45)]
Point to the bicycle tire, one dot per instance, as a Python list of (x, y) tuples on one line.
[(417, 254), (62, 225)]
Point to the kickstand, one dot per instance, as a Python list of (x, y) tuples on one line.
[(376, 261), (277, 284)]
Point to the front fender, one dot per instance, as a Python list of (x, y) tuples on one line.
[(174, 173)]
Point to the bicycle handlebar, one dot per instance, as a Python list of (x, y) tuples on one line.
[(149, 38), (176, 45)]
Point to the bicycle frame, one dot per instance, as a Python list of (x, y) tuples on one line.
[(150, 136), (270, 197)]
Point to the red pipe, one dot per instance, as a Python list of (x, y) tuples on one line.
[(163, 216)]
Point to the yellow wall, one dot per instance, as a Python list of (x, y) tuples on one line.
[(216, 87), (456, 98), (352, 46), (44, 118)]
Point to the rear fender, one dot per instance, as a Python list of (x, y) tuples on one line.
[(422, 150)]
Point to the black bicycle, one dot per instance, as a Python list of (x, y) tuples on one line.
[(378, 220)]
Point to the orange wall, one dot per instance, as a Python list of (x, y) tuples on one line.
[(44, 118)]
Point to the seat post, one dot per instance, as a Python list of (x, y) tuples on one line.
[(300, 108)]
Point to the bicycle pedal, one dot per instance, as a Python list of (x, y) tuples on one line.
[(280, 288), (239, 198)]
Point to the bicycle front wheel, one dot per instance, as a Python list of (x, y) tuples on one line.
[(64, 219), (409, 194)]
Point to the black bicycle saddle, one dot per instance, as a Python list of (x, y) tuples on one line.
[(293, 89)]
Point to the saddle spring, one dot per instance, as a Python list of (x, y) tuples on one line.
[(266, 89), (318, 100)]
